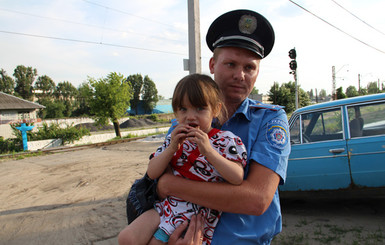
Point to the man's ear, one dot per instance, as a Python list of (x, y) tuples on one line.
[(211, 65)]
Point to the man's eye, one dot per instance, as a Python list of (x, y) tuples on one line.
[(250, 68), (182, 109)]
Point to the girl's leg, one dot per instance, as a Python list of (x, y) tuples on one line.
[(154, 241), (140, 231)]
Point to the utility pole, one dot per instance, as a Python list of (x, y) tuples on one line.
[(334, 85), (194, 38), (334, 93), (359, 84)]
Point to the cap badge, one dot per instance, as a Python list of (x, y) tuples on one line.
[(247, 24)]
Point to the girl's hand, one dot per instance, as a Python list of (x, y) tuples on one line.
[(178, 136), (196, 135)]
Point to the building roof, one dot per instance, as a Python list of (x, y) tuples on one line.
[(10, 102)]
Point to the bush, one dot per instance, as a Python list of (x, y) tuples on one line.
[(10, 145), (153, 117), (54, 131)]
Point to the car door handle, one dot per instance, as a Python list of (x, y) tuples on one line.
[(337, 150)]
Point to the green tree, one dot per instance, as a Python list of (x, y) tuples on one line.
[(83, 106), (340, 93), (66, 93), (53, 109), (110, 99), (150, 95), (254, 91), (373, 88), (7, 84), (45, 85), (311, 94), (322, 94), (24, 78), (285, 96), (351, 91), (136, 82), (363, 91)]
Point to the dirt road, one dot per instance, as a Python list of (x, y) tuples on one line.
[(78, 198)]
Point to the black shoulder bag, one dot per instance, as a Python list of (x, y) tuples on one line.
[(141, 197)]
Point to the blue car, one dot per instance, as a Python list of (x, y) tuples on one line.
[(338, 145)]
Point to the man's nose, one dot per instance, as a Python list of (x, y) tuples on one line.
[(239, 74)]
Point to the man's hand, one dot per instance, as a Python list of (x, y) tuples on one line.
[(194, 234)]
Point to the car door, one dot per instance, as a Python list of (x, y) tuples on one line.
[(367, 144), (318, 159)]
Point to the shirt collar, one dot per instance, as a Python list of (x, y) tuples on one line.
[(243, 109)]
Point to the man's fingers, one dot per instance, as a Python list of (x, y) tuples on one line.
[(178, 232), (189, 236), (195, 231), (199, 229)]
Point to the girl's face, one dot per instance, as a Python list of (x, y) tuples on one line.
[(195, 116)]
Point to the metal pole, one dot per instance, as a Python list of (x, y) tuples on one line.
[(194, 37), (334, 93), (359, 84), (296, 90)]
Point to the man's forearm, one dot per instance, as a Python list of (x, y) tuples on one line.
[(252, 197)]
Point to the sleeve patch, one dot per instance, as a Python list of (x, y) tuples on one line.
[(277, 134)]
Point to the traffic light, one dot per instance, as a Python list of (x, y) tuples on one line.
[(293, 65), (293, 62), (292, 54)]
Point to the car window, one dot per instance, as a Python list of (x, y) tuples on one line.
[(295, 137), (366, 120), (322, 126)]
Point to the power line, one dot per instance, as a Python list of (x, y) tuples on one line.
[(358, 18), (91, 42), (83, 24), (337, 28), (126, 13)]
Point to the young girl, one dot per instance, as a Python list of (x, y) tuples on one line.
[(193, 150)]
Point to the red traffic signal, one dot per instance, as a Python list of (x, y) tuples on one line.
[(292, 54)]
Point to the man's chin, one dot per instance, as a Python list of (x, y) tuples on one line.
[(235, 98)]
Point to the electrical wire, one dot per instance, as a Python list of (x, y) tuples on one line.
[(339, 29), (126, 13), (84, 24), (358, 18), (90, 42)]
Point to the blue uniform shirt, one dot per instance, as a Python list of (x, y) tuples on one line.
[(265, 133)]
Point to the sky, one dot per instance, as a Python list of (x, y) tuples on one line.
[(72, 40)]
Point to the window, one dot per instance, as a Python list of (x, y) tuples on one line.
[(294, 132), (366, 120), (322, 126)]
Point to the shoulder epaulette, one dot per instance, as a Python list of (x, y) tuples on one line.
[(267, 106)]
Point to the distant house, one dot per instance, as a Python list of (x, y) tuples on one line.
[(13, 109), (163, 106)]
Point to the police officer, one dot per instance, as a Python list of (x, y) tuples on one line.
[(239, 40)]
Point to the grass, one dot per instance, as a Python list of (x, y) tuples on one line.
[(21, 155)]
